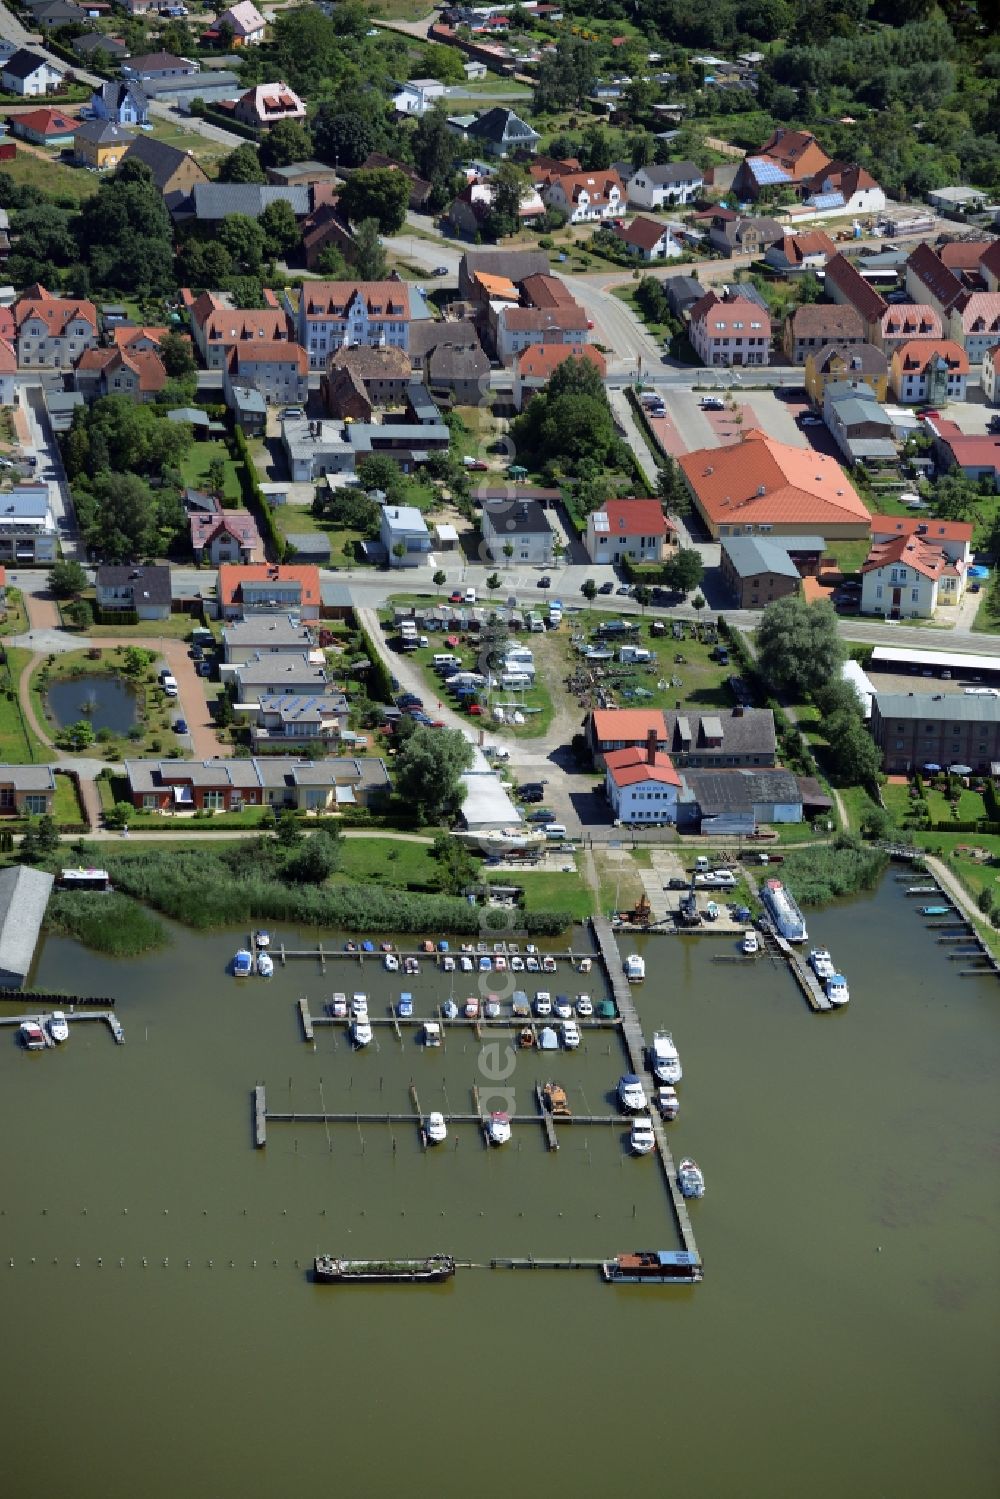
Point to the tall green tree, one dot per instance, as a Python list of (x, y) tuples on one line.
[(242, 165), (68, 579), (125, 234), (287, 142), (280, 229), (379, 194), (243, 239), (429, 772), (798, 647), (684, 570), (369, 253)]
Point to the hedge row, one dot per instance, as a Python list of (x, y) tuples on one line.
[(254, 496)]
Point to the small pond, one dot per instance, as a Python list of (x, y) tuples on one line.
[(106, 702)]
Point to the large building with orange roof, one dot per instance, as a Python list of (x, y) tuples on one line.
[(762, 486), (262, 588)]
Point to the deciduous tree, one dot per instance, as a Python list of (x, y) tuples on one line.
[(429, 770), (798, 647), (378, 193)]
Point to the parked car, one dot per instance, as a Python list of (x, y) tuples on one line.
[(455, 597), (712, 403), (169, 684), (606, 588), (204, 668), (180, 726), (677, 883), (545, 581), (474, 465), (808, 420), (543, 814), (439, 270)]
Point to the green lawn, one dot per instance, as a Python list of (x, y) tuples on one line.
[(15, 621), (556, 891), (387, 861), (848, 555), (195, 465), (987, 621), (156, 713), (18, 745), (626, 294), (51, 176), (66, 806), (700, 681), (174, 627)]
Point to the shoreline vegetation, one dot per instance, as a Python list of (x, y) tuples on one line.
[(106, 923), (822, 874)]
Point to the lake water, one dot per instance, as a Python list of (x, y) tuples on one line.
[(106, 702), (844, 1341)]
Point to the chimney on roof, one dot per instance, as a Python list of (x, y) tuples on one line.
[(651, 747)]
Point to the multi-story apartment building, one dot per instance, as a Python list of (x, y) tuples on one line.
[(334, 313)]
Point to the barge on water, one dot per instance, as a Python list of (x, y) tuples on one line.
[(654, 1267), (434, 1267), (783, 910)]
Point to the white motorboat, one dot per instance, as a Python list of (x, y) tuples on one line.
[(664, 1058), (751, 942), (32, 1036), (821, 963), (491, 1007), (570, 1035), (243, 964), (547, 1039), (504, 841), (517, 963), (411, 965), (543, 1003), (405, 1007), (338, 1006), (498, 1129), (391, 963), (432, 1033), (520, 1005), (784, 911), (265, 965), (641, 1139), (690, 1179), (631, 1094), (472, 1007), (361, 1030), (448, 963), (584, 1006), (58, 1026), (263, 939), (548, 963), (449, 1010), (466, 963), (586, 964), (435, 1129), (359, 1003), (837, 991), (635, 968), (563, 1006), (500, 963), (532, 964), (667, 1102)]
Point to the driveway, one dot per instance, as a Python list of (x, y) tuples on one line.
[(51, 472)]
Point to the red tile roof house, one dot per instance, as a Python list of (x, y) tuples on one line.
[(518, 327), (954, 537), (276, 368), (816, 324), (585, 197), (52, 332), (903, 322), (44, 127), (217, 328), (636, 529), (977, 457), (264, 105), (730, 332), (807, 251), (611, 729), (534, 366), (975, 323), (642, 784), (794, 154), (929, 280), (649, 239), (267, 589), (907, 577), (226, 536), (929, 369), (844, 283), (118, 372), (989, 266)]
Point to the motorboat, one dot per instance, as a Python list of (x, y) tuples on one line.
[(531, 947), (485, 963), (263, 939), (547, 1039), (821, 963), (837, 991), (449, 1010), (472, 1007), (555, 1100), (641, 1140), (631, 1093), (520, 1005), (654, 1267), (584, 1006), (548, 963), (526, 1037), (405, 1007), (543, 1003), (432, 1033), (668, 1102), (491, 1007), (585, 965), (784, 912), (635, 968), (664, 1058), (690, 1179), (32, 1036), (466, 964), (338, 1006), (443, 946), (563, 1006), (605, 1010), (751, 942), (411, 965), (435, 1129), (350, 946), (391, 963), (427, 945), (359, 1003), (265, 965), (504, 841), (243, 964), (570, 1035), (361, 1030), (532, 964), (387, 946), (500, 963), (517, 963), (58, 1026), (448, 963), (498, 1128), (500, 947), (368, 945)]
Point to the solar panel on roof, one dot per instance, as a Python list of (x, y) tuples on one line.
[(766, 173), (827, 200)]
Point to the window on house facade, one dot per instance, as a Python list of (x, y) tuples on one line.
[(214, 800), (36, 805)]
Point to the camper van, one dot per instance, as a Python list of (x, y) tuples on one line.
[(516, 680), (634, 654)]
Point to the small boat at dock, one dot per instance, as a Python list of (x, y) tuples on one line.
[(642, 1140), (520, 1005), (935, 910), (635, 968), (449, 1010), (526, 1037), (654, 1267), (265, 965), (448, 963), (532, 964), (405, 1007), (263, 939), (517, 963), (485, 963), (472, 1007), (837, 991), (665, 1059), (668, 1102), (435, 1129), (821, 963), (359, 1003), (556, 1101), (547, 1039), (58, 1026), (585, 965), (690, 1178), (361, 1031), (411, 965), (784, 911), (584, 1006), (498, 1128), (31, 1035), (434, 1268), (243, 964), (338, 1006), (491, 1007), (391, 963), (548, 963), (751, 943), (466, 963)]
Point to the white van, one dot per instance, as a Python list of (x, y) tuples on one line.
[(702, 863), (516, 679), (554, 831), (169, 684), (536, 624), (446, 658)]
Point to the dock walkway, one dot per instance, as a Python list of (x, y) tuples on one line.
[(635, 1046)]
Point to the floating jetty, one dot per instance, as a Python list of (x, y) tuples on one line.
[(801, 972)]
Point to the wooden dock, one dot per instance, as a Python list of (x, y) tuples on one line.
[(259, 1116), (306, 1019), (106, 1017), (475, 1116), (801, 972), (636, 1048)]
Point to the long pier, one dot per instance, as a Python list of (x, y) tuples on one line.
[(435, 959), (263, 1116), (107, 1017), (635, 1046)]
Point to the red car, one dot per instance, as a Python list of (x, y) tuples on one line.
[(475, 710), (456, 597)]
